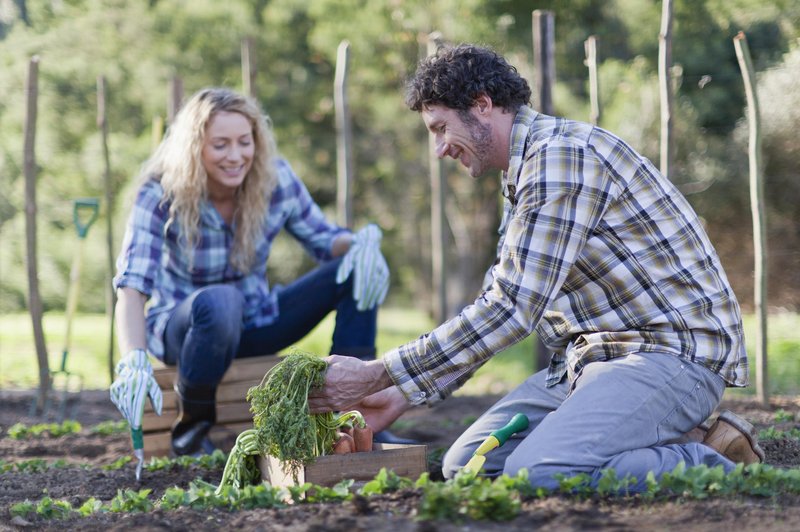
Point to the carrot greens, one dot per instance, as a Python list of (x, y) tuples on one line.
[(283, 426)]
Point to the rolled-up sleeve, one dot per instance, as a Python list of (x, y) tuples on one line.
[(140, 256)]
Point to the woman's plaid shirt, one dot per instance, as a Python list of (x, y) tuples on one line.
[(154, 261)]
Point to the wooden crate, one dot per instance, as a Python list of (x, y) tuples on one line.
[(233, 410), (405, 460)]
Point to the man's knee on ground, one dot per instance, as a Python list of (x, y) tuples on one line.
[(540, 473), (454, 459)]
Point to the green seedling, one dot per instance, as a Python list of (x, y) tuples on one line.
[(385, 481), (119, 463), (108, 428), (131, 501), (20, 431)]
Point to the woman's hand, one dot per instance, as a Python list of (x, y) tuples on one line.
[(368, 267)]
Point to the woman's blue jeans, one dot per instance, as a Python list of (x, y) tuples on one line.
[(204, 333)]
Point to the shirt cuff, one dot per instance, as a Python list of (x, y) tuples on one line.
[(415, 395), (140, 284)]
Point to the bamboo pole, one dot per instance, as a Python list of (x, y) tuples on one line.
[(438, 225), (111, 297), (544, 59), (665, 86), (759, 214), (590, 46), (34, 298), (344, 139)]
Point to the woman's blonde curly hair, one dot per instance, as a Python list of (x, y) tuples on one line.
[(177, 163)]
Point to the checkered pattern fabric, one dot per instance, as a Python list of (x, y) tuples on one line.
[(600, 254)]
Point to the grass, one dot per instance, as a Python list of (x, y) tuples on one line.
[(88, 355)]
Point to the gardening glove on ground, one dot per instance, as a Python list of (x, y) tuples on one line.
[(370, 271), (134, 383)]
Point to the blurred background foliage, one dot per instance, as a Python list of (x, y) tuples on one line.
[(140, 45)]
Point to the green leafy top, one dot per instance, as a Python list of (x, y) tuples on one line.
[(285, 428)]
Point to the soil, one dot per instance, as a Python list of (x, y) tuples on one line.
[(437, 427)]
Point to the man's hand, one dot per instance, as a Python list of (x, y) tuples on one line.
[(347, 381), (381, 409)]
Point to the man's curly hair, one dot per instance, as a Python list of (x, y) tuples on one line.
[(455, 76)]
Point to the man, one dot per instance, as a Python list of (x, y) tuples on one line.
[(606, 260)]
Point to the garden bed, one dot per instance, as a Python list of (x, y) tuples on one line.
[(78, 466)]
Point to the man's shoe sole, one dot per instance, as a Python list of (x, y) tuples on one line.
[(746, 428)]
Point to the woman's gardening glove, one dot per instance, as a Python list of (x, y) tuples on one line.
[(134, 383), (370, 271)]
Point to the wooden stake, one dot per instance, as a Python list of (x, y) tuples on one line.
[(438, 225), (156, 132), (544, 59), (30, 170), (249, 66), (665, 85), (590, 46), (544, 75), (344, 139), (175, 98), (111, 297), (759, 214)]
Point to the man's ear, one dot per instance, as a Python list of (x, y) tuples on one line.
[(483, 104)]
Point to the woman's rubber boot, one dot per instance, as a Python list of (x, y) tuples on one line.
[(197, 414)]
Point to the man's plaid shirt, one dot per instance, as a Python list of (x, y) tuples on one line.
[(601, 254)]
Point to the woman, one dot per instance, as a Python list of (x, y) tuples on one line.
[(191, 276)]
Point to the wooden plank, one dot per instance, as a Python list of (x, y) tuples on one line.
[(405, 460), (231, 392), (226, 413), (233, 410), (223, 436), (242, 369)]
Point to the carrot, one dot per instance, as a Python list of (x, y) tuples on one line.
[(344, 444), (354, 424), (363, 438)]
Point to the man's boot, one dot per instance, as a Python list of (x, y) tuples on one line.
[(197, 414), (735, 439)]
